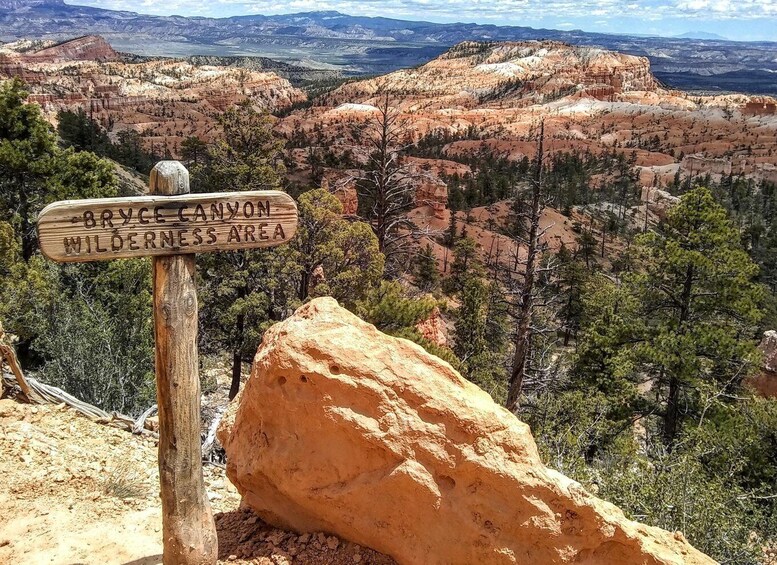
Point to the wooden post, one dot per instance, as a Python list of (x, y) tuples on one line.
[(188, 529), (171, 225)]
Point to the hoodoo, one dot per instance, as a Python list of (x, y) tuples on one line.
[(347, 430)]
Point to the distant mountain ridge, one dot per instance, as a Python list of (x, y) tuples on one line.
[(702, 35), (366, 45)]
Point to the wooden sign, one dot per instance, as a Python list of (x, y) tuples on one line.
[(173, 226), (115, 228)]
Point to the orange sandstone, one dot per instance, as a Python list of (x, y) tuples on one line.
[(344, 429)]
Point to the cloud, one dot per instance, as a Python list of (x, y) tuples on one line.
[(573, 13)]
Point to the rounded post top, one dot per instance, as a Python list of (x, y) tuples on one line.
[(169, 178)]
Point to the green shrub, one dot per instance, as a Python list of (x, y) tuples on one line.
[(717, 485)]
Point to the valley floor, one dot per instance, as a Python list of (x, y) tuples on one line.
[(77, 492)]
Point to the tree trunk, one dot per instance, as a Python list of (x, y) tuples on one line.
[(237, 358), (523, 331), (567, 331), (672, 413), (304, 282), (604, 232), (188, 529)]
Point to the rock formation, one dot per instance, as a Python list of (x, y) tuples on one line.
[(164, 100), (344, 429), (430, 189), (765, 382), (472, 73), (343, 185), (659, 201), (433, 328), (87, 48)]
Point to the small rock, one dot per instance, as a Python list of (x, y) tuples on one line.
[(332, 543), (357, 558), (232, 557)]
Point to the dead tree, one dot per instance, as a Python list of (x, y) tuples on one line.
[(526, 302), (385, 188)]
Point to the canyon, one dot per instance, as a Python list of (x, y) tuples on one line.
[(164, 100), (351, 437), (362, 45), (487, 99), (476, 99)]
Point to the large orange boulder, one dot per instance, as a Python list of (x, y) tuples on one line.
[(346, 430)]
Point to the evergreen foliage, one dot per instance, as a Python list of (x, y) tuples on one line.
[(345, 252), (87, 328), (81, 132), (426, 275)]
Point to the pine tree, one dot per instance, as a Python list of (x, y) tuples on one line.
[(481, 334), (699, 295), (79, 131), (426, 275), (344, 253), (242, 291), (28, 159), (386, 194), (452, 234), (572, 275), (525, 308), (194, 151), (465, 262)]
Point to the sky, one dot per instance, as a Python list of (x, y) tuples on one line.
[(742, 20)]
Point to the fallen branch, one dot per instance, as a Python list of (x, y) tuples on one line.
[(37, 392), (210, 440), (140, 423), (47, 394)]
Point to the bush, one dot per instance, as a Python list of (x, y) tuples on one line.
[(676, 492), (717, 486), (87, 355), (96, 340)]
